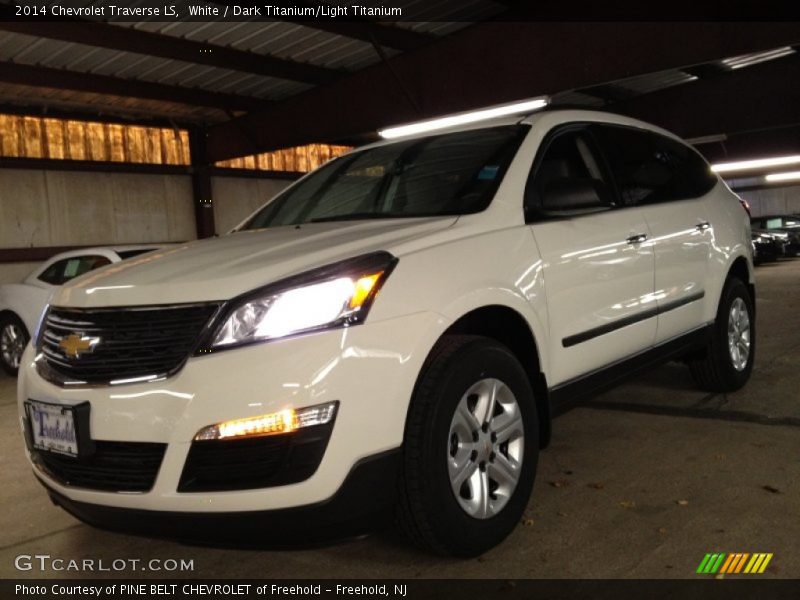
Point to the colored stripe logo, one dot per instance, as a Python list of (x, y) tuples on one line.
[(737, 562)]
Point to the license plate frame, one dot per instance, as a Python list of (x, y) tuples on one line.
[(75, 445)]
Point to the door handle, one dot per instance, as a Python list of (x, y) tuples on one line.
[(703, 225), (637, 239)]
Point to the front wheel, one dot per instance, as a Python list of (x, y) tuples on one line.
[(13, 339), (726, 364), (471, 448)]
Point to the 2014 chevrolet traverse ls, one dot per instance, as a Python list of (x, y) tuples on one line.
[(389, 335)]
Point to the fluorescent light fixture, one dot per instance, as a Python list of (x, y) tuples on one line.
[(746, 60), (790, 176), (464, 118), (758, 163)]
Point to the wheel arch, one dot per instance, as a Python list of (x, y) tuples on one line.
[(509, 327), (740, 268), (7, 312)]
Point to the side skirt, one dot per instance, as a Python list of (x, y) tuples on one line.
[(566, 395)]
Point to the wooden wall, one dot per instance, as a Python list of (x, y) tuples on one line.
[(301, 159), (37, 137)]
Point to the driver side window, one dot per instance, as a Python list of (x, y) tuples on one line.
[(567, 178)]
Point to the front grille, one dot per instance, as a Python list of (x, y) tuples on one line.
[(131, 342), (113, 467), (261, 462)]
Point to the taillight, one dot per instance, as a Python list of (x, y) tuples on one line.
[(745, 206)]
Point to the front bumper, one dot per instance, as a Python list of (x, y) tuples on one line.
[(370, 370), (364, 503)]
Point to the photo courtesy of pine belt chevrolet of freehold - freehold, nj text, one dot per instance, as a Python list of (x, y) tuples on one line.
[(389, 337)]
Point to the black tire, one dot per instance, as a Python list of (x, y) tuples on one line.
[(7, 319), (429, 514), (714, 369)]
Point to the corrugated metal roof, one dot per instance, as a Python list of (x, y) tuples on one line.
[(290, 41), (25, 49), (748, 60), (577, 98), (633, 86), (22, 96), (651, 82), (282, 39)]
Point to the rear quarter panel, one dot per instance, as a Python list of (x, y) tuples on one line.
[(731, 241)]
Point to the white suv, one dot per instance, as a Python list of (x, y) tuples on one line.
[(389, 336)]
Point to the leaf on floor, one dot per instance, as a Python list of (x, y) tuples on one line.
[(682, 502), (559, 483), (597, 486), (628, 504)]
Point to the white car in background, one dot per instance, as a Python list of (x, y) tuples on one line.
[(21, 304)]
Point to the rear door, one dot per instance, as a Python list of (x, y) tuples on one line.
[(596, 260), (667, 182)]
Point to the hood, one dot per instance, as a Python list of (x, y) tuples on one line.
[(224, 267)]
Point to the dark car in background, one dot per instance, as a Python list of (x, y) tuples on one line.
[(766, 246), (784, 227)]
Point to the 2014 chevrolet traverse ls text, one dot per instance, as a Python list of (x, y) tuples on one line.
[(389, 335)]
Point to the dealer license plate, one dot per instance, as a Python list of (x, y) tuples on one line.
[(52, 427)]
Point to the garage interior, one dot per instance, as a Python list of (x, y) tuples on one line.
[(152, 132)]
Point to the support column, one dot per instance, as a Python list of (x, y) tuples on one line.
[(201, 184)]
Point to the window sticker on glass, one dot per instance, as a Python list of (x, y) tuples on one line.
[(488, 173), (72, 268)]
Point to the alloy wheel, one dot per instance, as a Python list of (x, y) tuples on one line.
[(485, 448), (12, 345), (739, 334)]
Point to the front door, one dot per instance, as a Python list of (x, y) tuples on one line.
[(598, 262)]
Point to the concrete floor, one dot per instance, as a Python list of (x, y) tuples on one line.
[(641, 483)]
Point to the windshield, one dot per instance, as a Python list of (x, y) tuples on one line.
[(449, 174)]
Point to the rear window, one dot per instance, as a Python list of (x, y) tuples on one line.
[(650, 168), (63, 270), (131, 253)]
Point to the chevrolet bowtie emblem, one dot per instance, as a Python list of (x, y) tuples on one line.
[(75, 344)]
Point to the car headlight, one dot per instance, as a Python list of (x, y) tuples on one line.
[(337, 295)]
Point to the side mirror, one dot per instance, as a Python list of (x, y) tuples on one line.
[(566, 194)]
